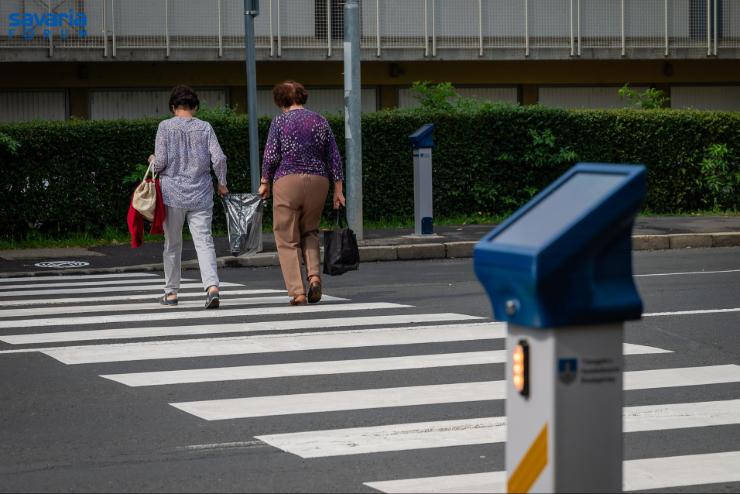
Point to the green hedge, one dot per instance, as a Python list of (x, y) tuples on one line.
[(61, 177)]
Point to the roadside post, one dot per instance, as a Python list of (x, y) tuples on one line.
[(559, 271), (422, 142)]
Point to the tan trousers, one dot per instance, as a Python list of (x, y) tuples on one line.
[(297, 203)]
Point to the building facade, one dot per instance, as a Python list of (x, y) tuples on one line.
[(104, 59)]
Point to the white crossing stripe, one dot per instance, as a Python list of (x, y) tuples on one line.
[(361, 399), (691, 312), (242, 345), (686, 376), (639, 475), (196, 314), (153, 305), (678, 471), (688, 273), (259, 406), (487, 430), (225, 294), (325, 367), (104, 289), (77, 277), (62, 284), (285, 325)]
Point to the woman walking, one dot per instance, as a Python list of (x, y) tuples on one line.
[(301, 157), (184, 152)]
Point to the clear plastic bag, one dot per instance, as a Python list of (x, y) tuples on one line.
[(244, 222)]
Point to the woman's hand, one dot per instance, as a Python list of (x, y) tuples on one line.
[(338, 195), (151, 158), (223, 190), (264, 190)]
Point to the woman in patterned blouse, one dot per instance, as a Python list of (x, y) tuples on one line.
[(301, 157), (184, 151)]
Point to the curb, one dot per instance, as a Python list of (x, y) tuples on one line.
[(446, 250)]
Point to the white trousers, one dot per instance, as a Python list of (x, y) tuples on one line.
[(199, 223)]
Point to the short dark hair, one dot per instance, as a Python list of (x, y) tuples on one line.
[(183, 96), (289, 93)]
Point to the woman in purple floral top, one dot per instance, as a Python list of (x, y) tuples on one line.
[(301, 157)]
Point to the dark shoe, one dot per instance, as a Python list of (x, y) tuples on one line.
[(212, 300), (165, 301), (298, 300), (314, 292)]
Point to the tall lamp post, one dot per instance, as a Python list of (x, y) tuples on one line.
[(352, 109), (251, 10)]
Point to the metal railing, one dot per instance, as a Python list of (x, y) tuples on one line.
[(427, 28)]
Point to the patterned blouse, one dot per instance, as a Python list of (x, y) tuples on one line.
[(301, 142), (184, 150)]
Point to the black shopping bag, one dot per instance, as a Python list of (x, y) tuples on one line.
[(244, 222), (340, 247)]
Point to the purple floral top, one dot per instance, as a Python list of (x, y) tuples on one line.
[(301, 142), (184, 151)]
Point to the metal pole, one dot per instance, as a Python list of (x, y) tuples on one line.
[(328, 28), (377, 25), (352, 109), (434, 29), (272, 46), (113, 25), (526, 28), (578, 17), (279, 38), (624, 44), (480, 28), (254, 162), (167, 26), (426, 29), (709, 28), (220, 32), (716, 25), (105, 29), (572, 41), (665, 26)]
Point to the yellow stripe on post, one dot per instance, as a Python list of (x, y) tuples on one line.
[(531, 466)]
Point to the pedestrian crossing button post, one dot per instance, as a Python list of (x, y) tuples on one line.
[(422, 142), (559, 271)]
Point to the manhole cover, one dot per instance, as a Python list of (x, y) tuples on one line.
[(61, 264)]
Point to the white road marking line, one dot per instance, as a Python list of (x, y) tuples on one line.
[(78, 277), (691, 312), (125, 298), (242, 345), (683, 376), (474, 483), (152, 306), (260, 406), (360, 399), (285, 325), (70, 291), (324, 367), (487, 430), (62, 285), (687, 273), (197, 314), (639, 475)]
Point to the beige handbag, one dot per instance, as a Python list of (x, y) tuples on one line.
[(145, 196)]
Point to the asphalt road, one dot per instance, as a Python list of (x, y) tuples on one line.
[(66, 428)]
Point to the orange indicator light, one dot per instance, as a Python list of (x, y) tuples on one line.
[(520, 368)]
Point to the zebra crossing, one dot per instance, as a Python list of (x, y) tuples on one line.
[(108, 319)]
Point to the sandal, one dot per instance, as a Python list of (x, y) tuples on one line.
[(212, 300), (314, 291), (168, 301), (298, 300)]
